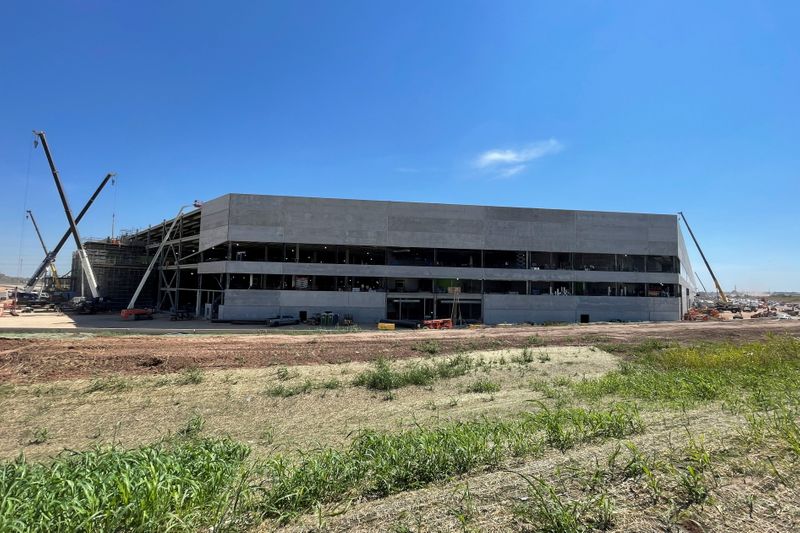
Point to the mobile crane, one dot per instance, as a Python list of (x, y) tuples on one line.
[(722, 296), (96, 302), (51, 264)]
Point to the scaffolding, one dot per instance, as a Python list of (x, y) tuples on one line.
[(118, 269)]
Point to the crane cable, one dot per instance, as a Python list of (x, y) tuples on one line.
[(25, 206), (113, 206)]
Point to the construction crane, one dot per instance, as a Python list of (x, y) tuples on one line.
[(713, 277), (701, 282), (73, 225), (51, 264), (51, 257)]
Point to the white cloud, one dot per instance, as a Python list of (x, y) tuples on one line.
[(509, 162), (510, 171)]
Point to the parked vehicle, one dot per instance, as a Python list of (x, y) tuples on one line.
[(284, 320)]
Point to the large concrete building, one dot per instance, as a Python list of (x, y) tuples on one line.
[(249, 257)]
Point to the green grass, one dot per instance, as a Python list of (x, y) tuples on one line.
[(385, 376), (762, 372), (378, 464), (190, 376), (483, 385), (110, 384), (286, 391), (172, 485)]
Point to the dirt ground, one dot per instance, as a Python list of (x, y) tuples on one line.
[(30, 358), (137, 410)]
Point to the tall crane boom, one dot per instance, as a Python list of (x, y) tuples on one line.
[(49, 258), (713, 277), (87, 266), (53, 271)]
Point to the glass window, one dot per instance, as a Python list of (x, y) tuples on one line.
[(504, 259)]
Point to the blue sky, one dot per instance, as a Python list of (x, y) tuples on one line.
[(619, 106)]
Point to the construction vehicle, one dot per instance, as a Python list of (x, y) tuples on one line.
[(50, 256), (722, 296), (97, 302), (131, 312), (56, 279)]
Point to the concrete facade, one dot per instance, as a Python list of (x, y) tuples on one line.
[(238, 218)]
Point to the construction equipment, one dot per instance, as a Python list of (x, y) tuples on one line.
[(713, 277), (701, 282), (52, 264), (131, 311), (85, 264), (51, 257)]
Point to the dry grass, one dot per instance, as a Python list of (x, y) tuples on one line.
[(243, 403)]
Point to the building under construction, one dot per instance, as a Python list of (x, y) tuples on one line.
[(251, 257)]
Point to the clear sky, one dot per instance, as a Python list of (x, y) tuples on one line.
[(620, 106)]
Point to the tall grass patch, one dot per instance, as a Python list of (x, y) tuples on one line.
[(385, 376), (377, 464), (183, 484), (704, 372)]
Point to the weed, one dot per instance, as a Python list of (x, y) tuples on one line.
[(383, 376), (524, 357), (287, 391), (193, 427), (552, 513), (190, 376), (694, 485), (110, 384), (483, 385), (429, 347), (331, 384), (40, 436), (185, 484), (267, 436), (379, 464), (282, 373), (543, 357)]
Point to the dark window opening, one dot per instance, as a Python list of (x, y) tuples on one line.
[(318, 253), (504, 287), (409, 256), (366, 256), (458, 258), (504, 259), (603, 262)]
